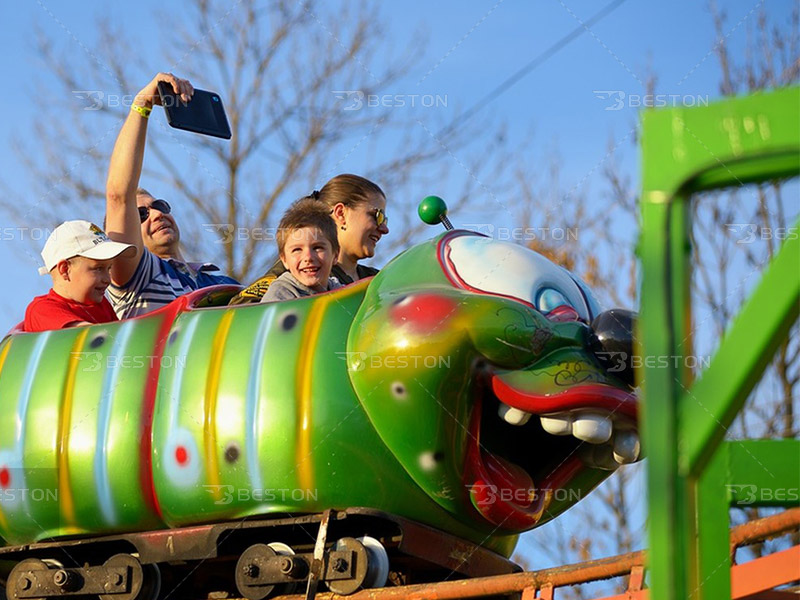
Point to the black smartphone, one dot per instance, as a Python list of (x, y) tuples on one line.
[(204, 113)]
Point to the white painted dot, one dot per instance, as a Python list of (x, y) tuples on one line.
[(427, 461)]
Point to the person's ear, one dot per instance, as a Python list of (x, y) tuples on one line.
[(283, 261), (338, 214), (63, 269)]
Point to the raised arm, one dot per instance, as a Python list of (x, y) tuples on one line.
[(122, 217)]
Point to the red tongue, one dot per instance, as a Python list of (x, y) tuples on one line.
[(514, 483)]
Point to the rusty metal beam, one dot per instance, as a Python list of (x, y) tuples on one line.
[(749, 581), (762, 529), (763, 574), (596, 570), (640, 595)]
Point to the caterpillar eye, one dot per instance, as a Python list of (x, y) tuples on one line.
[(550, 299), (489, 266)]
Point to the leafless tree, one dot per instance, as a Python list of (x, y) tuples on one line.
[(287, 73), (726, 268), (742, 230), (297, 81)]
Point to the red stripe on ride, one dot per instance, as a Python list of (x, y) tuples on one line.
[(168, 313), (146, 477)]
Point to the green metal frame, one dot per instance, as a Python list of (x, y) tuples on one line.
[(693, 477)]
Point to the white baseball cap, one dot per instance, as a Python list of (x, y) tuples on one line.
[(80, 238)]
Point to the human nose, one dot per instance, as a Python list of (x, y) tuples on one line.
[(383, 228)]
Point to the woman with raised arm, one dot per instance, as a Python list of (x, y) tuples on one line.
[(358, 207)]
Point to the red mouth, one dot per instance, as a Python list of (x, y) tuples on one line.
[(509, 495), (587, 396)]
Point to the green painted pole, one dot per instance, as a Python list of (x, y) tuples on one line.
[(664, 301), (708, 409), (713, 523), (737, 141), (764, 472)]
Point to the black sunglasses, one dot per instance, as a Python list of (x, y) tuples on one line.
[(380, 217), (161, 206)]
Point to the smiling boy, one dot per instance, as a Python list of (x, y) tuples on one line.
[(78, 256), (308, 246)]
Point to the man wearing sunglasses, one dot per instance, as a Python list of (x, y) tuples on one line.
[(157, 273)]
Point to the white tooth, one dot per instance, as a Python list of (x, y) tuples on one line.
[(626, 447), (599, 457), (557, 424), (591, 427), (512, 415)]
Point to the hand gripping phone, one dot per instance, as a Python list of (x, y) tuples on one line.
[(204, 113)]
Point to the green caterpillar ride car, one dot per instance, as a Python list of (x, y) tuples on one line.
[(471, 386)]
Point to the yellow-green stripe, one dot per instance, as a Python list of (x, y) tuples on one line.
[(66, 501), (305, 366), (212, 391)]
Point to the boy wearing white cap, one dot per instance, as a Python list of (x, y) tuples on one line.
[(78, 256)]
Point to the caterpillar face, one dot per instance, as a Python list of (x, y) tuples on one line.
[(477, 364)]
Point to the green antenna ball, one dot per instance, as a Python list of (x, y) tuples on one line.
[(432, 209)]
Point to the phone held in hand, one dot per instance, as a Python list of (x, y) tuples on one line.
[(204, 113)]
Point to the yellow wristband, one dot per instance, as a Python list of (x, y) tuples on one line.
[(142, 110)]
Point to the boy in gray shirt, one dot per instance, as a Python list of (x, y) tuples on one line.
[(308, 247)]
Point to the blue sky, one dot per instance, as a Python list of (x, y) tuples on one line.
[(472, 47)]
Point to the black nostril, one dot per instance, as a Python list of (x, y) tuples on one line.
[(612, 342)]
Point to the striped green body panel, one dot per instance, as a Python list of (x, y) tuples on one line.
[(65, 439), (273, 428), (254, 413)]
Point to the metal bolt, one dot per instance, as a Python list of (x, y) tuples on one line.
[(67, 581), (286, 564), (25, 583), (250, 570), (118, 579), (340, 565)]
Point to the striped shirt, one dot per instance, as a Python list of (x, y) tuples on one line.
[(158, 281)]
